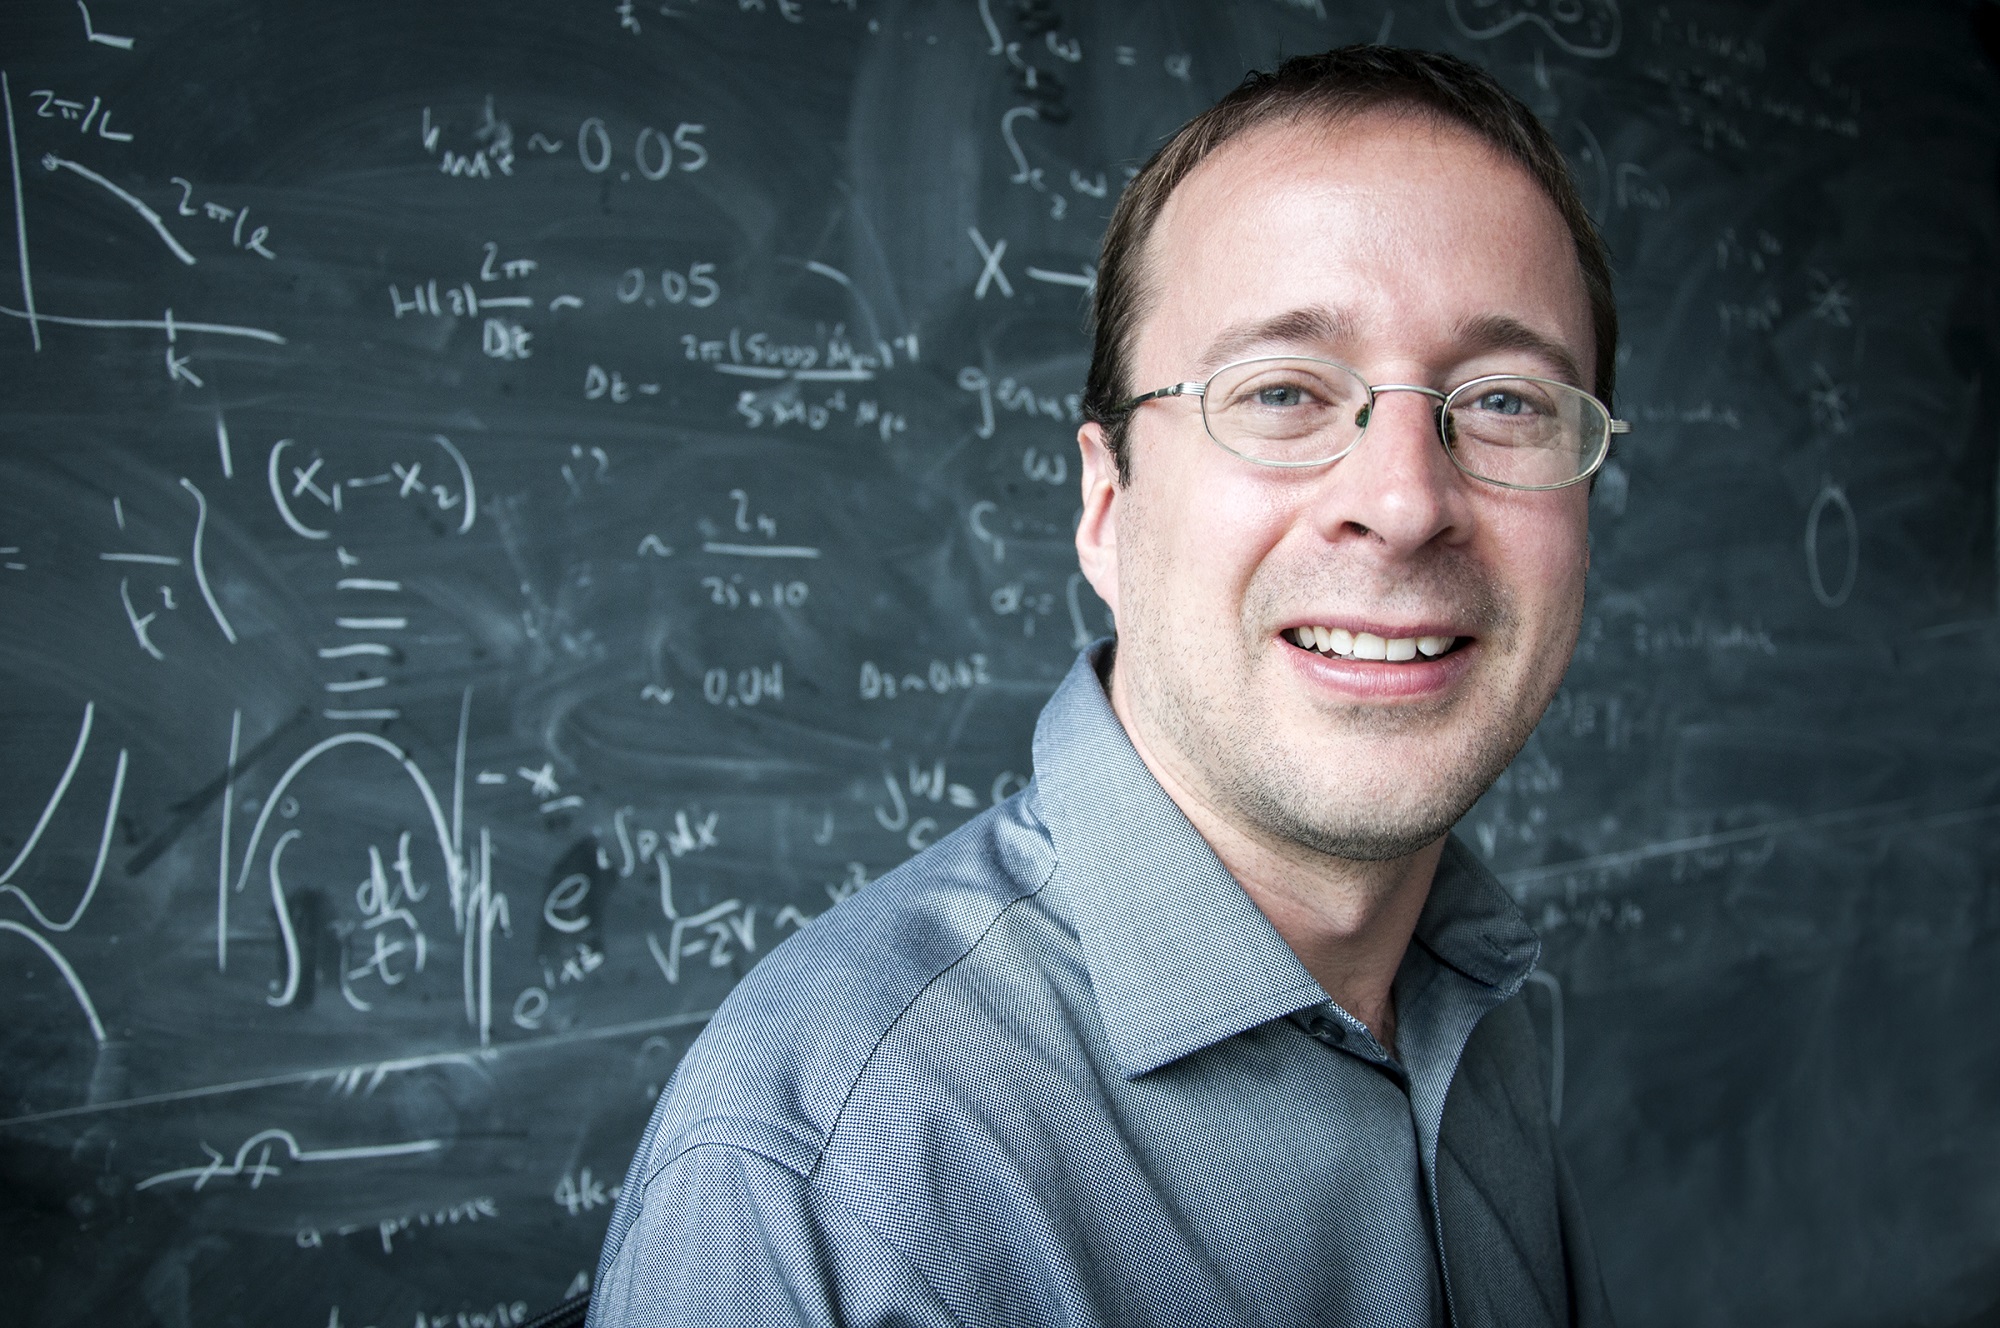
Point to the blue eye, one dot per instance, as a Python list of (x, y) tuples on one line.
[(1279, 396), (1500, 402)]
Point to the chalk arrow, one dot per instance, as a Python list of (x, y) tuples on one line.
[(1084, 280)]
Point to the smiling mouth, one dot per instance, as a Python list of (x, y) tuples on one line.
[(1340, 643)]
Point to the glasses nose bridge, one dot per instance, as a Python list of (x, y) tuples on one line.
[(1439, 400)]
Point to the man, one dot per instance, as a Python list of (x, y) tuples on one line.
[(1214, 1024)]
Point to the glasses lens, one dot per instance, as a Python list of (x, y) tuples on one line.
[(1525, 432), (1285, 412)]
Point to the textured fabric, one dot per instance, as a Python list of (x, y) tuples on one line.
[(1059, 1069)]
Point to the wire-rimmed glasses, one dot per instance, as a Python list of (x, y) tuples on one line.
[(1513, 430)]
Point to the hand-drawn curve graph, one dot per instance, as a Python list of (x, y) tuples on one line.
[(477, 909), (45, 925), (176, 364), (1589, 28)]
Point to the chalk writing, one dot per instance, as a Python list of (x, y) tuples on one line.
[(578, 1194), (1014, 598), (735, 593), (389, 1230), (745, 687), (1703, 99), (50, 106), (932, 786), (697, 287), (396, 945), (777, 409), (654, 154), (835, 358), (232, 217), (1658, 638), (1013, 395), (940, 677), (310, 480), (716, 931)]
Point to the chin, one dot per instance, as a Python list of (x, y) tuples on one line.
[(1395, 808), (1358, 835)]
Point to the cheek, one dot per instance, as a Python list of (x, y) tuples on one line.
[(1233, 546), (1204, 529), (1547, 560)]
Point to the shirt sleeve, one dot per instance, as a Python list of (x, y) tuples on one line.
[(726, 1238)]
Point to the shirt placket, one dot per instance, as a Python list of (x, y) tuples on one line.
[(1333, 1027)]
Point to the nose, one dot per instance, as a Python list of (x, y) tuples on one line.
[(1397, 485)]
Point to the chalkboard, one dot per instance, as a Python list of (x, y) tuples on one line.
[(509, 510)]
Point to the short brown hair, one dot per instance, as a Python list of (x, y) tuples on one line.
[(1336, 85)]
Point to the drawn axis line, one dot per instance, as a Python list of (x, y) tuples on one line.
[(170, 325), (20, 215)]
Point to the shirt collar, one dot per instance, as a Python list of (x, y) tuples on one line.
[(1180, 958), (1472, 924)]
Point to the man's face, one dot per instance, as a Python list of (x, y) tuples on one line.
[(1413, 253)]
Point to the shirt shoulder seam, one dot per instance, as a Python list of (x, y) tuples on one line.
[(694, 1136), (861, 1072)]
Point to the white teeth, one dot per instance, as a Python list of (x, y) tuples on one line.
[(1340, 642)]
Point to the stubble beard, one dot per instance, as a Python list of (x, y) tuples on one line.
[(1357, 822), (1252, 772)]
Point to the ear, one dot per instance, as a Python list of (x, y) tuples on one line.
[(1097, 532)]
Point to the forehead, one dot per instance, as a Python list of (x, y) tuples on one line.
[(1401, 234)]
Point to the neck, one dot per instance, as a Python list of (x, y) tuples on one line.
[(1349, 922)]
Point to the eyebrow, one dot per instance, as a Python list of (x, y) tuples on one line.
[(1318, 326), (1312, 326), (1491, 332)]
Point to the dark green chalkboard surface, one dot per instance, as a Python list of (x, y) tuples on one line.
[(508, 510)]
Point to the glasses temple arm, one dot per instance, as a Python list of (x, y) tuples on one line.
[(1177, 390)]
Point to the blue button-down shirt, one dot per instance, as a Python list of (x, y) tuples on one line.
[(1059, 1069)]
